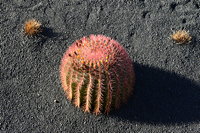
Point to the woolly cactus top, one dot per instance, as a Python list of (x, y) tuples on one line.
[(94, 51)]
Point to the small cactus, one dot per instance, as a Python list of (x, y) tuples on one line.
[(32, 27), (181, 37), (97, 74)]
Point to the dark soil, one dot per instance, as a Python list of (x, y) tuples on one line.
[(167, 93)]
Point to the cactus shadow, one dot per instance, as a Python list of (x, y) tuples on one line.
[(48, 32), (161, 97)]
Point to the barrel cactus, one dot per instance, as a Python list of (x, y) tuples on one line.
[(97, 74)]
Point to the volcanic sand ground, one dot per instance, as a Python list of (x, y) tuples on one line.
[(167, 93)]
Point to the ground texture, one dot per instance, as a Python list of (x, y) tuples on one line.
[(167, 93)]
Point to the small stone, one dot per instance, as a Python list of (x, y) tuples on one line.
[(56, 101)]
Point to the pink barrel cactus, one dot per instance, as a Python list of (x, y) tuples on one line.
[(97, 74)]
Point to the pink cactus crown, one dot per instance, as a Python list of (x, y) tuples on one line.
[(95, 51)]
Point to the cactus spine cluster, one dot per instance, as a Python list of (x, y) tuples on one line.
[(97, 74), (32, 27)]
